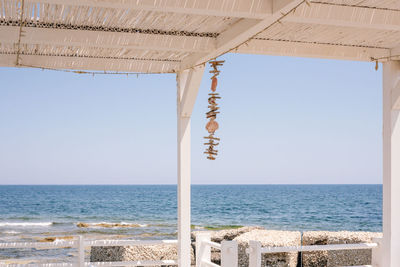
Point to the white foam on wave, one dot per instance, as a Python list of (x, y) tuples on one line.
[(11, 232), (129, 223), (25, 224), (112, 224)]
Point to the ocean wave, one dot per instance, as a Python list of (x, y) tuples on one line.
[(25, 224), (11, 232), (139, 224), (109, 225)]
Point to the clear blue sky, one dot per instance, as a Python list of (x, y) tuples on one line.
[(284, 120)]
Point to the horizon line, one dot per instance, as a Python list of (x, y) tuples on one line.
[(191, 184)]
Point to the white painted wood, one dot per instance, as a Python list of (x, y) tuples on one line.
[(318, 247), (191, 90), (238, 8), (229, 253), (105, 39), (297, 49), (239, 33), (207, 263), (376, 252), (254, 254), (81, 251), (40, 245), (391, 168), (184, 241), (203, 250), (346, 16), (212, 244), (97, 64), (80, 244), (396, 90), (186, 95), (42, 265), (395, 52), (102, 243), (134, 263)]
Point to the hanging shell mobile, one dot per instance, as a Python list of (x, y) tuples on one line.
[(212, 125)]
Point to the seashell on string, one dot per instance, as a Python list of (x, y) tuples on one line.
[(214, 84), (212, 126)]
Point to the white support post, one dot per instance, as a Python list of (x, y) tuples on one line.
[(229, 254), (81, 251), (188, 83), (376, 253), (203, 250), (254, 254), (391, 165)]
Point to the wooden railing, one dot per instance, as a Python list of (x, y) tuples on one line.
[(80, 244), (256, 250), (229, 252)]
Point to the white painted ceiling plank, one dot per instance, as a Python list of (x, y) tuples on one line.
[(239, 33), (278, 48), (94, 64), (238, 8), (117, 40)]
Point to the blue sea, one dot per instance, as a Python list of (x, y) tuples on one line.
[(30, 213)]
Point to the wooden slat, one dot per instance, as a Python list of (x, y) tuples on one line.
[(85, 38), (239, 8), (347, 16), (281, 48), (95, 64)]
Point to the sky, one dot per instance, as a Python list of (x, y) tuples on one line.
[(284, 120)]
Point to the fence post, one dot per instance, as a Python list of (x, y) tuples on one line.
[(203, 251), (229, 254), (81, 251), (254, 254), (376, 260)]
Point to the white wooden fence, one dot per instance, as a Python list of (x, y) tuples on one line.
[(255, 250), (80, 244), (229, 252)]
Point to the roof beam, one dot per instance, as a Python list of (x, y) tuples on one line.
[(239, 33), (283, 48), (346, 16), (93, 64), (117, 40), (255, 9)]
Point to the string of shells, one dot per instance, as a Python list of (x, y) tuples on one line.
[(211, 115)]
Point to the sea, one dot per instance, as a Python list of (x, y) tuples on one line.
[(32, 213)]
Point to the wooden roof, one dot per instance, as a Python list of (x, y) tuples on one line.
[(171, 35)]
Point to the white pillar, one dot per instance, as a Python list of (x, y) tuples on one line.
[(391, 165), (188, 83)]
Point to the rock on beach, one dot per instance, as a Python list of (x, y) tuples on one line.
[(135, 253), (338, 257), (271, 238)]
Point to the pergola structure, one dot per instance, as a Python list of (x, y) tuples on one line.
[(180, 36)]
